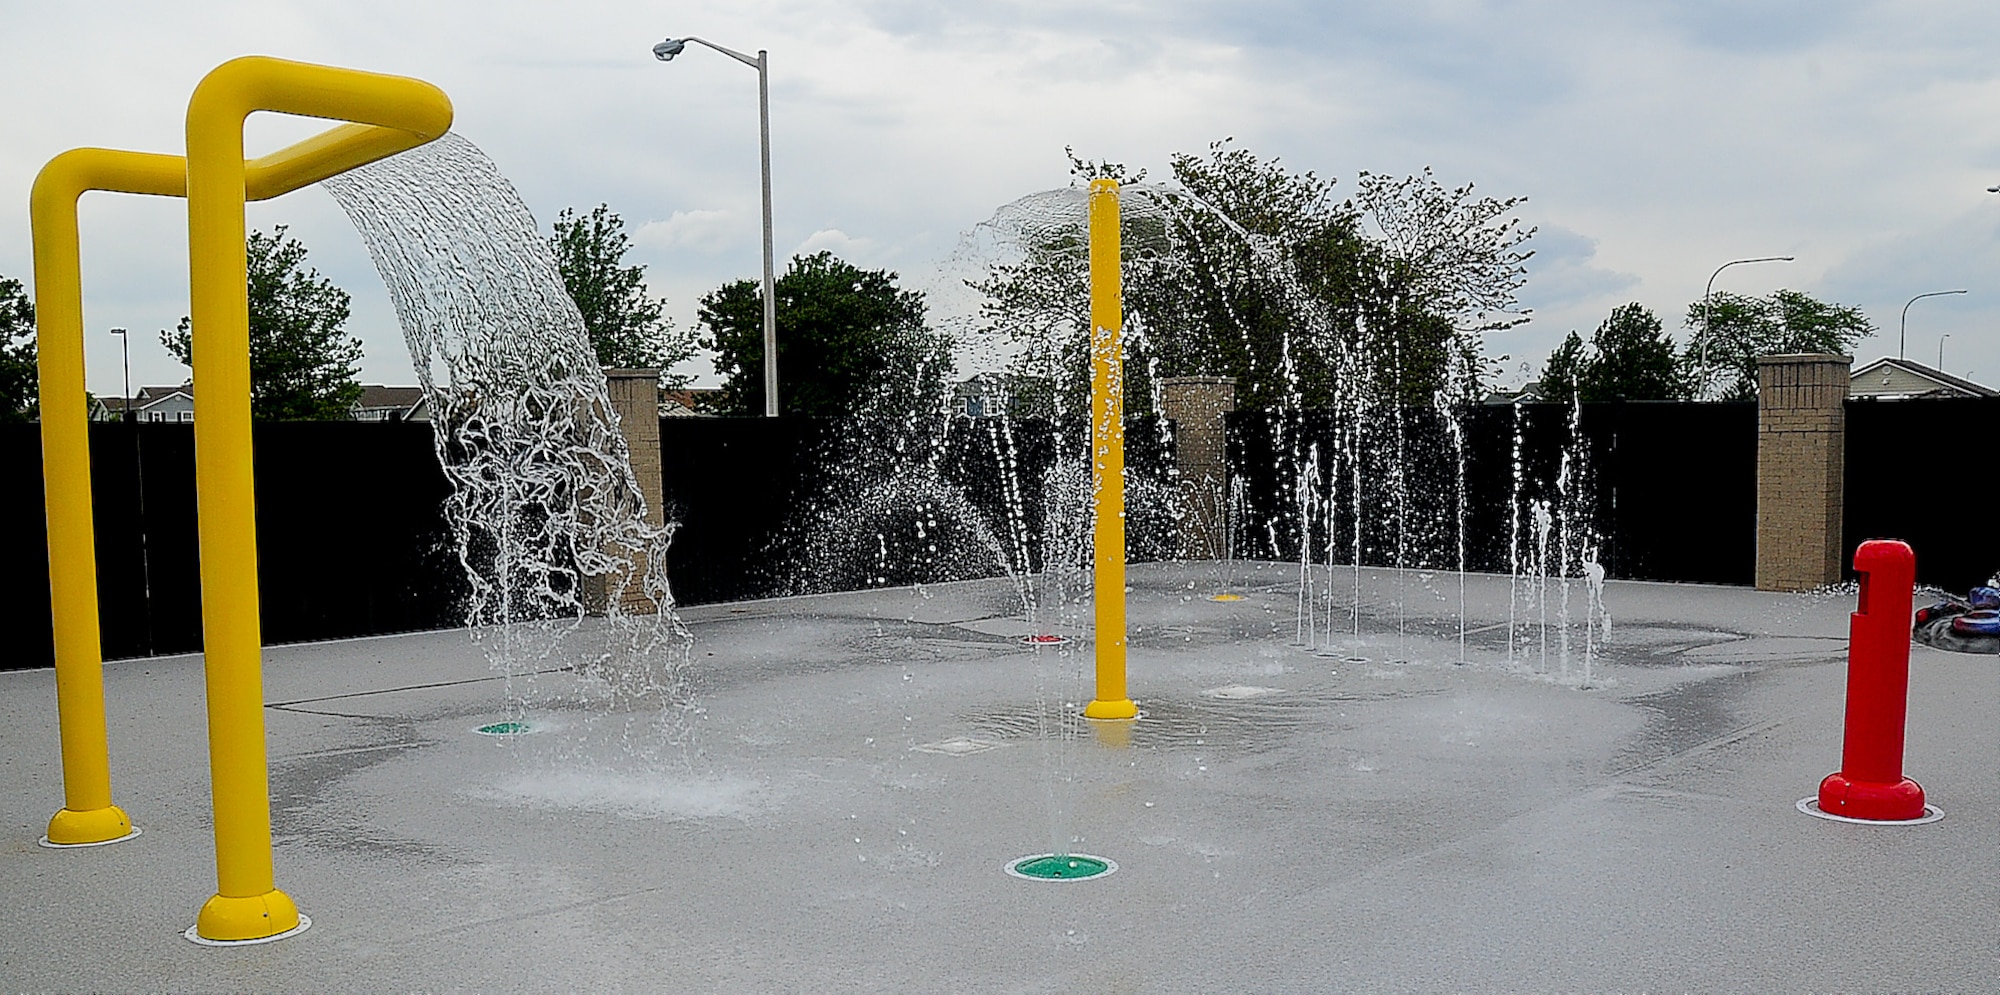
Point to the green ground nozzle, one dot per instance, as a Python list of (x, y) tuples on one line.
[(1061, 867)]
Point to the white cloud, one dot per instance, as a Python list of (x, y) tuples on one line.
[(700, 231), (859, 251), (1665, 138)]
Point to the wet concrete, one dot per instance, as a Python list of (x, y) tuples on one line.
[(1371, 812)]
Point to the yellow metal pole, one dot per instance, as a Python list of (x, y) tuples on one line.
[(1107, 446), (247, 904), (87, 816)]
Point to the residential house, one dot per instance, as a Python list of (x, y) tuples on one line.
[(379, 403), (1893, 379), (163, 404), (687, 402)]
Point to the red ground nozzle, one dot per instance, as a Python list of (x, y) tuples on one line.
[(1870, 784)]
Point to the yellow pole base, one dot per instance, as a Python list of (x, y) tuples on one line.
[(1124, 708), (89, 828), (258, 917), (1114, 734)]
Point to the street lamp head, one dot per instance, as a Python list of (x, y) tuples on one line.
[(666, 50), (1995, 188)]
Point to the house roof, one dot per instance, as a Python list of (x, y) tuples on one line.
[(686, 401), (374, 395), (148, 395), (1946, 383)]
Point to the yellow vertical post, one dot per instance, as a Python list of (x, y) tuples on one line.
[(247, 904), (1107, 448), (87, 817)]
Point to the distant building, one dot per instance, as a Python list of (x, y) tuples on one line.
[(175, 405), (979, 396), (1890, 379), (688, 402), (1528, 393), (379, 403), (163, 404)]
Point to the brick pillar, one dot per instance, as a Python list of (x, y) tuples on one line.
[(635, 396), (1801, 457), (1196, 405)]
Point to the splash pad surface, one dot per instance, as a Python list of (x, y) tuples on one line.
[(1419, 826)]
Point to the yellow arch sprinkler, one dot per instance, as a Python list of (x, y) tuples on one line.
[(87, 817), (389, 114), (1107, 448)]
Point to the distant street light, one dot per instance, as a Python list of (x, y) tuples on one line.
[(1708, 316), (665, 52), (125, 343), (1941, 338), (1903, 333)]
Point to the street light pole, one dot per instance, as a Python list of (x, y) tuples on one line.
[(139, 478), (1941, 338), (1708, 315), (665, 52), (125, 344), (1903, 329)]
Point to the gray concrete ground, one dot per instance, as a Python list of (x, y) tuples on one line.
[(833, 812)]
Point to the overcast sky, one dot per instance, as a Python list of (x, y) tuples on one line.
[(1654, 141)]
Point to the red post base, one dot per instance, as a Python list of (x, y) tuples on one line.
[(1876, 802)]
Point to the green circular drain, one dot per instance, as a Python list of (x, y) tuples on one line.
[(1061, 867), (505, 729)]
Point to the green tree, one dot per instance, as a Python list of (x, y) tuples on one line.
[(1566, 370), (626, 325), (1732, 330), (19, 386), (1254, 271), (303, 363), (848, 339), (1631, 359)]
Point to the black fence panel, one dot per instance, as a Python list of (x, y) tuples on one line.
[(789, 505), (1922, 471), (733, 484), (24, 551), (1662, 491), (351, 536), (1682, 480)]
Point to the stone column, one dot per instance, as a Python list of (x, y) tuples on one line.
[(1801, 459), (635, 396), (1196, 405)]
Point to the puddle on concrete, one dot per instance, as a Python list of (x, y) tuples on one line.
[(631, 795), (958, 746), (1255, 722)]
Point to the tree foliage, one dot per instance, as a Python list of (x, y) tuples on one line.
[(303, 363), (848, 339), (1461, 254), (1629, 359), (1563, 375), (19, 386), (1251, 270), (1732, 330), (627, 326)]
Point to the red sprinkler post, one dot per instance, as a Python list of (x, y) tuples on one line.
[(1870, 784)]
